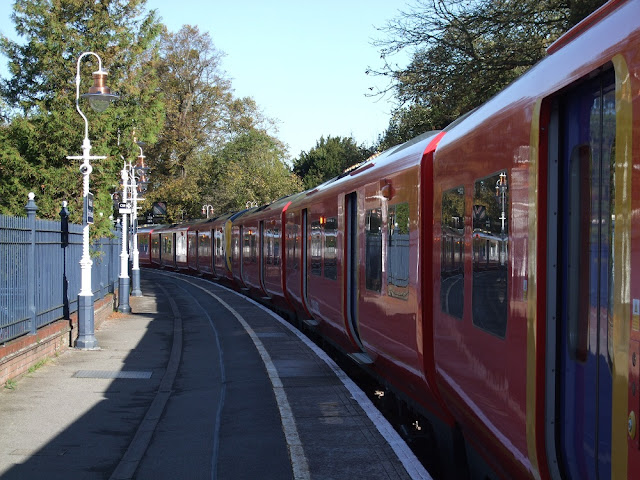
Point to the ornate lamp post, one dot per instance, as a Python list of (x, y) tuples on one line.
[(99, 97), (123, 280), (139, 172), (207, 209)]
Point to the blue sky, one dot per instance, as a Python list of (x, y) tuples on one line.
[(303, 62)]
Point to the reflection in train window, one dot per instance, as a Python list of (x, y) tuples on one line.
[(143, 244), (316, 249), (330, 242), (204, 244), (491, 253), (246, 246), (268, 246), (398, 251), (452, 260), (373, 250), (293, 239), (276, 246)]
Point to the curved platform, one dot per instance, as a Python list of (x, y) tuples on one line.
[(197, 382)]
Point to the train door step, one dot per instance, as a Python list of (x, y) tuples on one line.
[(310, 322), (361, 358)]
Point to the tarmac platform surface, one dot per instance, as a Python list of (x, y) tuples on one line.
[(196, 382)]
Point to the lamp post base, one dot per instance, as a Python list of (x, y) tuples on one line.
[(135, 283), (123, 295), (86, 337)]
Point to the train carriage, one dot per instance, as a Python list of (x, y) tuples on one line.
[(264, 276), (532, 325), (360, 271), (145, 243)]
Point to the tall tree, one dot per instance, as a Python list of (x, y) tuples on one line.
[(251, 168), (202, 118), (464, 52), (196, 93), (329, 158), (44, 126)]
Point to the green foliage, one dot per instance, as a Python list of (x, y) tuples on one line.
[(463, 53), (197, 98), (42, 88), (328, 159), (250, 168), (214, 148)]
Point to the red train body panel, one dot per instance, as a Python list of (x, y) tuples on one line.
[(487, 273)]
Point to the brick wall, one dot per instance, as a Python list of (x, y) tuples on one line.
[(18, 355)]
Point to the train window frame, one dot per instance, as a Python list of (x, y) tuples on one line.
[(373, 249), (452, 246), (398, 250), (330, 232), (490, 263)]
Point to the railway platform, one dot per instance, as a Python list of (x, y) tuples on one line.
[(196, 382)]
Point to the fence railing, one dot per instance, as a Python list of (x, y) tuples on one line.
[(40, 271)]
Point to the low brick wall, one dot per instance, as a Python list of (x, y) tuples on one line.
[(17, 356)]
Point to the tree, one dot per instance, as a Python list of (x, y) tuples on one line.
[(202, 118), (250, 168), (196, 93), (464, 52), (44, 127), (328, 159)]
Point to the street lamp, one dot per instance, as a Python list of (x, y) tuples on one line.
[(99, 97), (123, 280), (139, 172), (206, 209)]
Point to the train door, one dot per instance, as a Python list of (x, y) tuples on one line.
[(266, 253), (305, 256), (351, 255), (584, 184)]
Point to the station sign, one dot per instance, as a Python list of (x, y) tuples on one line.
[(125, 207)]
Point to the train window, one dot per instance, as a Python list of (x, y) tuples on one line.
[(235, 244), (373, 250), (246, 245), (155, 246), (143, 243), (398, 251), (293, 239), (491, 254), (219, 234), (276, 246), (167, 246), (316, 249), (253, 239), (452, 253), (204, 245), (330, 242), (268, 246), (191, 243)]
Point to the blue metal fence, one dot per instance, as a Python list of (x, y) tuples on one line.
[(40, 273)]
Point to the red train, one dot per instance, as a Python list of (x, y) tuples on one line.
[(486, 272)]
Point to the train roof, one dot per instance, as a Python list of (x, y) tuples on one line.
[(400, 156)]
